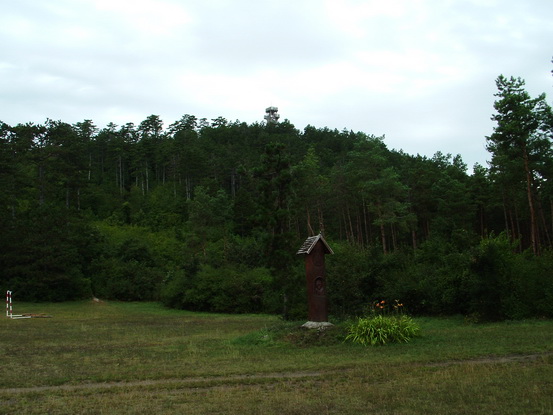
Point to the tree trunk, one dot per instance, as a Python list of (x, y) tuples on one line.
[(359, 229), (346, 226), (382, 228), (321, 219), (543, 220), (350, 226), (310, 230), (366, 223), (41, 185), (121, 184), (551, 206), (89, 166), (533, 230), (383, 237), (233, 183), (506, 217), (482, 227), (515, 224), (147, 178)]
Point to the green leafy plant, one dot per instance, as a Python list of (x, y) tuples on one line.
[(382, 329)]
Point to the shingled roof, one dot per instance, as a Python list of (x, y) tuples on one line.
[(311, 242)]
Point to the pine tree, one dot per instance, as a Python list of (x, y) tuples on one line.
[(520, 141)]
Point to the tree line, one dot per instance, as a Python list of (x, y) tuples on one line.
[(207, 215)]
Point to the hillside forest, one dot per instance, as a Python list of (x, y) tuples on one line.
[(208, 215)]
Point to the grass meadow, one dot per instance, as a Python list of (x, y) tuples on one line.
[(133, 358)]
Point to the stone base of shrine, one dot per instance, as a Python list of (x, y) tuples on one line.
[(317, 325)]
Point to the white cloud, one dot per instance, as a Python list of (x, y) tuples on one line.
[(152, 17)]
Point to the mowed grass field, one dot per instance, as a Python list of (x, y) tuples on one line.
[(134, 358)]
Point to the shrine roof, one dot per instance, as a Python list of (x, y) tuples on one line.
[(310, 243)]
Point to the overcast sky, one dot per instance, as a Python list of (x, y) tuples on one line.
[(420, 72)]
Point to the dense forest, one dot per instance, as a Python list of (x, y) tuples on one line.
[(208, 215)]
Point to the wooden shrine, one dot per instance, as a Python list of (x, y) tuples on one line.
[(315, 248)]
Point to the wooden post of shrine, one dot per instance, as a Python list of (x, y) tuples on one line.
[(315, 248)]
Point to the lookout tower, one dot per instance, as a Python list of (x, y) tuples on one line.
[(271, 115)]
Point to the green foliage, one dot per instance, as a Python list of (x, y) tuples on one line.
[(134, 262), (507, 285), (228, 289), (383, 329), (126, 280), (43, 256), (173, 290), (145, 212), (208, 213), (292, 332), (521, 152), (353, 274), (490, 281), (434, 280)]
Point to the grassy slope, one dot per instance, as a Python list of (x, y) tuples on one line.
[(194, 363)]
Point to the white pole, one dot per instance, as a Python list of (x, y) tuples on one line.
[(10, 309), (8, 304)]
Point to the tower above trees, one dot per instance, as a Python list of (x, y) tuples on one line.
[(271, 115)]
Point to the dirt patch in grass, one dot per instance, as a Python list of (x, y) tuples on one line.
[(191, 382), (496, 359), (305, 337), (229, 381)]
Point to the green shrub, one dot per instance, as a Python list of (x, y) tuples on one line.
[(504, 284), (44, 256), (173, 289), (381, 329), (229, 289), (352, 277), (134, 261), (433, 280)]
